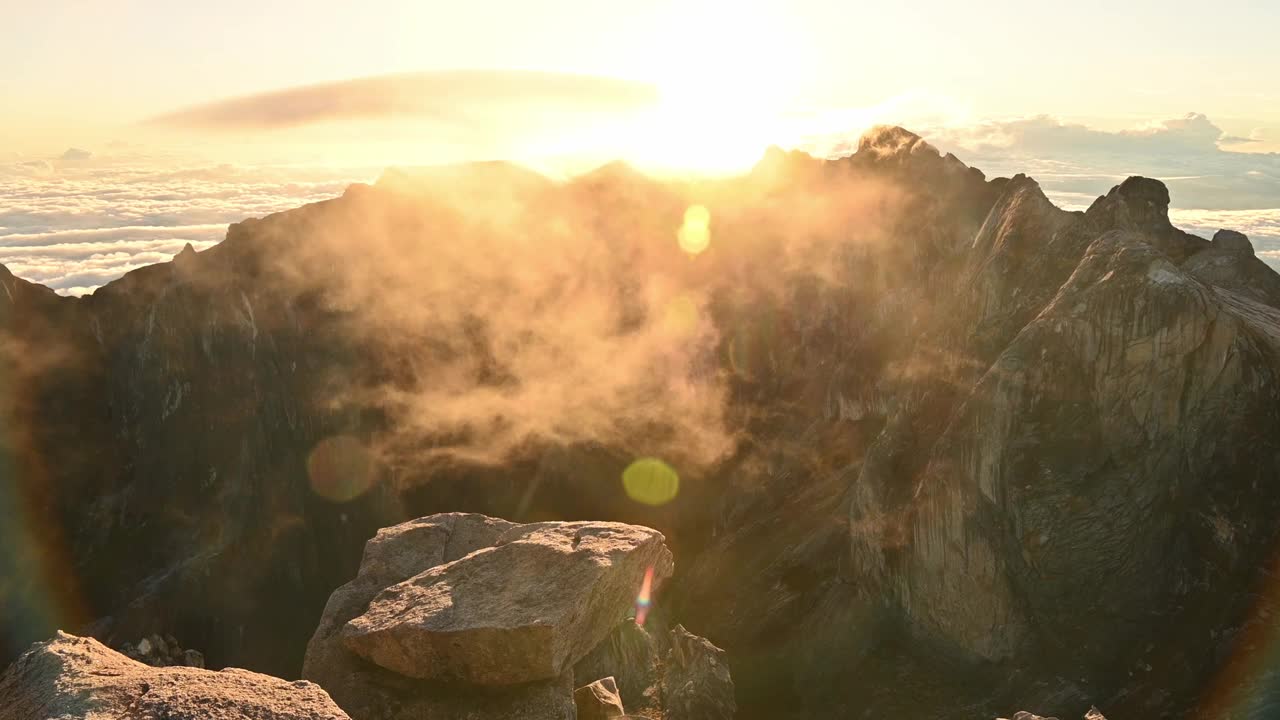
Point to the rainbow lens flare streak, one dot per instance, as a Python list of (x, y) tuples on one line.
[(644, 599)]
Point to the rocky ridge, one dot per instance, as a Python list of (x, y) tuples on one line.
[(975, 436)]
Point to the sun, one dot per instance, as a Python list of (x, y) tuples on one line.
[(726, 75)]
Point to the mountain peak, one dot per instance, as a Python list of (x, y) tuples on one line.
[(1138, 203), (1232, 241), (777, 162), (892, 140)]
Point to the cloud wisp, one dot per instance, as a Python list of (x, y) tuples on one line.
[(455, 97)]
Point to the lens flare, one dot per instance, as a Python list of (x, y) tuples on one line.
[(695, 234), (681, 315), (644, 600), (1247, 684), (650, 481), (340, 469)]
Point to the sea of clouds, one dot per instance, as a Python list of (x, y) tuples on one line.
[(83, 218), (78, 221), (1214, 179), (1213, 183)]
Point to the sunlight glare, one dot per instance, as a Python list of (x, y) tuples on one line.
[(695, 233), (726, 79)]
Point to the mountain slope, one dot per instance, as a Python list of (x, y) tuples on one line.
[(926, 425)]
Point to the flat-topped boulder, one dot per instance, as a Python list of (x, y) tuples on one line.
[(525, 609), (482, 611), (73, 677)]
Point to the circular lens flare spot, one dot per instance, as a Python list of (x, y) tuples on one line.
[(650, 481), (340, 469), (695, 233)]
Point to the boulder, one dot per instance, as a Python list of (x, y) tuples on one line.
[(524, 610), (599, 700), (497, 582), (1232, 241), (697, 684), (73, 677)]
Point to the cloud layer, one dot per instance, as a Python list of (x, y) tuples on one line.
[(78, 219), (1210, 186), (1187, 153), (75, 228)]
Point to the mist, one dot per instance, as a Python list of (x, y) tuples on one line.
[(510, 312)]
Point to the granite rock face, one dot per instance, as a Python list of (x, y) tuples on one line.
[(696, 681), (631, 655), (525, 609), (72, 677), (1232, 241)]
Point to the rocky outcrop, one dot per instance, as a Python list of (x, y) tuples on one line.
[(696, 682), (73, 677), (1048, 470), (598, 701), (1141, 205), (526, 609), (489, 615), (1229, 263), (631, 655), (164, 651)]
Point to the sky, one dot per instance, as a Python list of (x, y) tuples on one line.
[(117, 114)]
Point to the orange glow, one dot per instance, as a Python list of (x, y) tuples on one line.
[(695, 234)]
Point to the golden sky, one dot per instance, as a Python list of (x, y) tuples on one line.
[(730, 78)]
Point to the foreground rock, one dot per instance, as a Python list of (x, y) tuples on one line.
[(1093, 714), (631, 656), (72, 677), (697, 685), (599, 700), (467, 616), (525, 609)]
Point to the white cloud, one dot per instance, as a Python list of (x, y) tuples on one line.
[(80, 220), (1074, 159), (76, 155), (1262, 227), (78, 225)]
